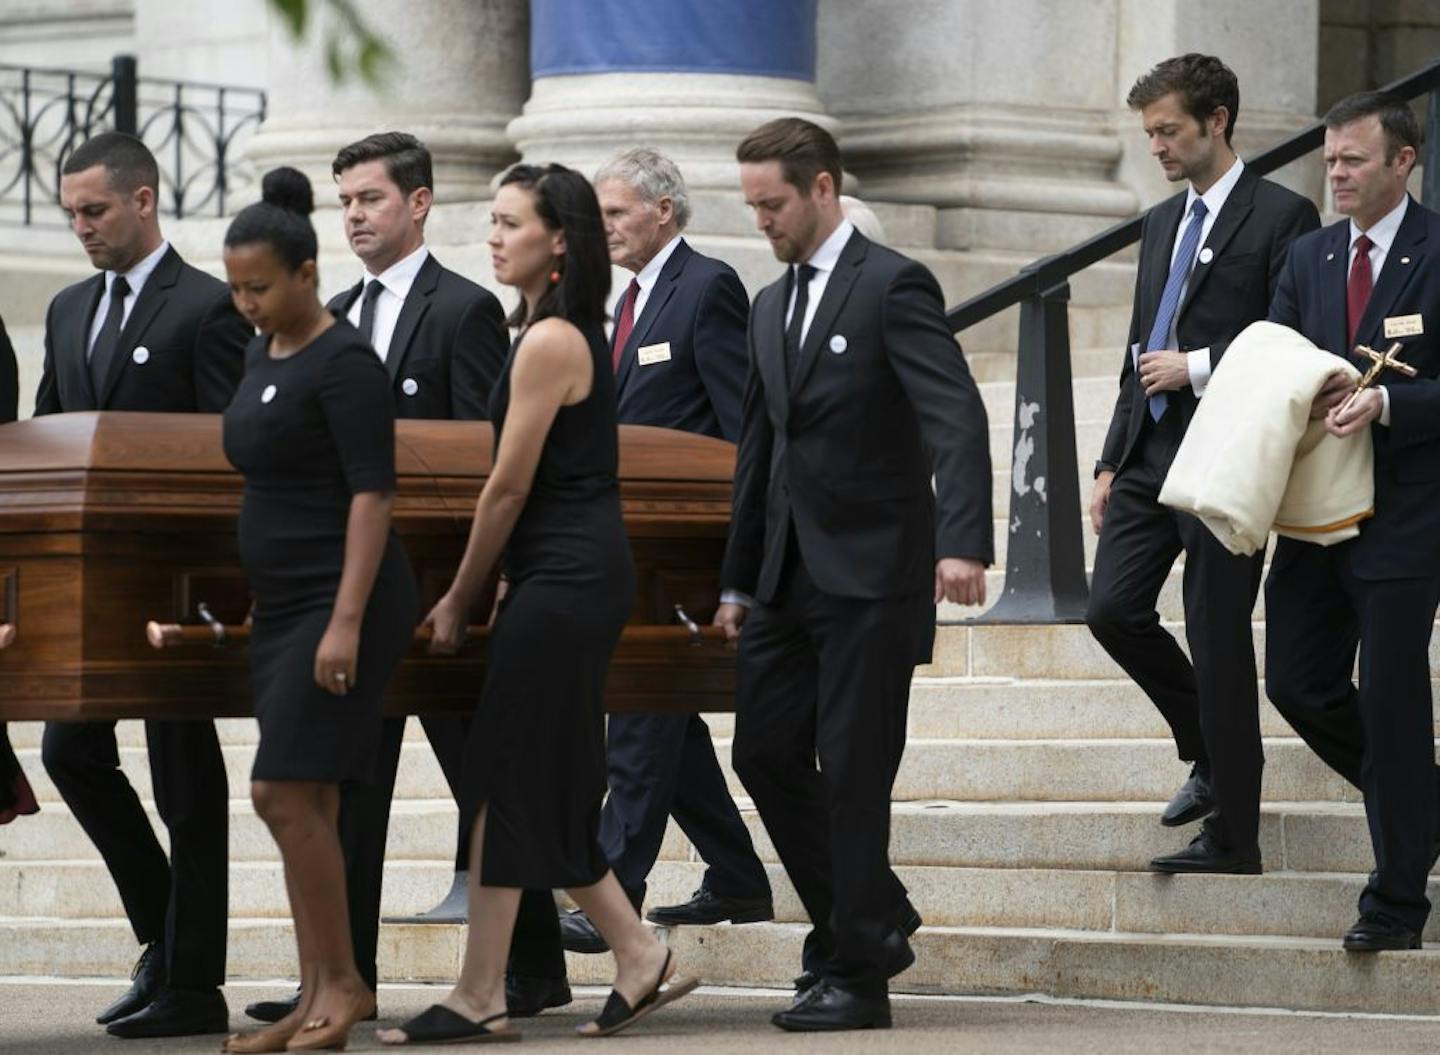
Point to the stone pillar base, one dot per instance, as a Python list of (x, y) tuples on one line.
[(696, 119), (1001, 177)]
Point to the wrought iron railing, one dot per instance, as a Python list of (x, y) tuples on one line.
[(1045, 560), (197, 132)]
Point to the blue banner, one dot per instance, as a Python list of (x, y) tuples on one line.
[(771, 38)]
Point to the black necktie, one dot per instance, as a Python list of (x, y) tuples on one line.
[(107, 343), (797, 318), (373, 289)]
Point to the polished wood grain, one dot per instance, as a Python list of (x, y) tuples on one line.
[(112, 520)]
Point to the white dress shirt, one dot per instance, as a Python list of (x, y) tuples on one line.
[(823, 260), (136, 277), (648, 275), (1198, 360), (396, 281), (1382, 235)]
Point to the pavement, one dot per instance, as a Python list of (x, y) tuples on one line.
[(54, 1017)]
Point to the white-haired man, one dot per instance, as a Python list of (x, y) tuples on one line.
[(679, 351)]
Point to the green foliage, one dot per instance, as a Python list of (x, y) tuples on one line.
[(351, 47)]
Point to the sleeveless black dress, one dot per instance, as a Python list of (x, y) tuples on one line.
[(308, 432), (536, 753)]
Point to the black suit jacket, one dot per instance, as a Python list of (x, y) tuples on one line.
[(1249, 239), (697, 306), (448, 347), (882, 399), (193, 337), (1400, 541), (9, 378)]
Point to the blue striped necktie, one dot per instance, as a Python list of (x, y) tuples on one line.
[(1170, 299)]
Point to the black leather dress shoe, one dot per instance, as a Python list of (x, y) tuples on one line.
[(578, 934), (176, 1013), (1194, 800), (827, 1008), (273, 1010), (526, 996), (1205, 854), (1376, 933), (147, 980), (899, 957), (706, 907)]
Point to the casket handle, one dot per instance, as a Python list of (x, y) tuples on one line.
[(7, 635)]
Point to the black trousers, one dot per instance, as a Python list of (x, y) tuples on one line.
[(1379, 736), (182, 901), (364, 829), (662, 765), (821, 704), (1212, 705)]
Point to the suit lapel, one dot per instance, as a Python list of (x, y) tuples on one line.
[(1164, 230), (340, 306), (1409, 244), (1232, 216), (847, 270), (417, 303), (660, 295), (74, 339), (769, 350), (153, 296), (1334, 265)]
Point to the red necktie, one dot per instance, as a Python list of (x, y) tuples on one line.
[(1357, 290), (626, 322)]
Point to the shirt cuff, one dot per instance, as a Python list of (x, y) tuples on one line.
[(1199, 364), (1384, 406), (744, 600)]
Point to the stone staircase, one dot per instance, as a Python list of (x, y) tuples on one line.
[(1024, 813)]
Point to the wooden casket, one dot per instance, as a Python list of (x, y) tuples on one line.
[(110, 522)]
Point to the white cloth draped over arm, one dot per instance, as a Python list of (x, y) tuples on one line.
[(1252, 461)]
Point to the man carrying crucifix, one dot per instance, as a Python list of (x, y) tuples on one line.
[(1371, 280)]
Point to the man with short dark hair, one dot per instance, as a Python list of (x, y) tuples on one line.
[(149, 333), (1209, 260), (858, 395), (1371, 280), (443, 340), (680, 360)]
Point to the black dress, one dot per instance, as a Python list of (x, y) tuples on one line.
[(308, 432), (536, 753)]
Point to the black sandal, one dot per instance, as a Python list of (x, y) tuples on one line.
[(618, 1014), (437, 1024)]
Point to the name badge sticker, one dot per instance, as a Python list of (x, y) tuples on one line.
[(140, 355), (654, 353), (1404, 326)]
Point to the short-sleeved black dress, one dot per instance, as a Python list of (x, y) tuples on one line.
[(536, 753), (308, 432)]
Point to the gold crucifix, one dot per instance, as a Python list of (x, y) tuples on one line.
[(1378, 362)]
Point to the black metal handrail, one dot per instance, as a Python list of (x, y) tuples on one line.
[(195, 129), (1045, 563)]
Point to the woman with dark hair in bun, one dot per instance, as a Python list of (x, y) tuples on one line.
[(534, 771), (312, 429)]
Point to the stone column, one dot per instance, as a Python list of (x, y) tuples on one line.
[(687, 77), (460, 73), (1272, 47), (1000, 114)]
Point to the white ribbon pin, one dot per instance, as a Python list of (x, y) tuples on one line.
[(838, 344), (1206, 255), (409, 386), (268, 394), (140, 355)]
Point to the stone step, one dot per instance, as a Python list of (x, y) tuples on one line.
[(1279, 903), (1119, 836), (1246, 971), (1051, 651), (963, 770)]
